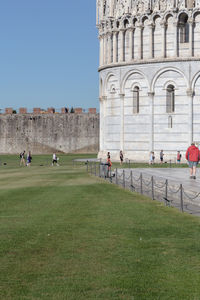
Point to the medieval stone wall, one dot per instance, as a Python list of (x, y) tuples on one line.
[(47, 133)]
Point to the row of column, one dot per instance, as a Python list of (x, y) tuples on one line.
[(103, 100), (112, 47)]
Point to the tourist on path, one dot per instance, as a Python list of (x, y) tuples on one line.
[(161, 156), (193, 157), (109, 164), (121, 156), (151, 158), (178, 158)]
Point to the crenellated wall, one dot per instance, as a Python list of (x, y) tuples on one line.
[(49, 132)]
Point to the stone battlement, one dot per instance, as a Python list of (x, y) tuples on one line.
[(50, 110)]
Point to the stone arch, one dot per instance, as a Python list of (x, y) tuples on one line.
[(195, 12), (196, 33), (194, 80), (170, 82), (136, 84), (144, 18), (106, 81), (183, 11), (167, 15), (127, 75), (125, 22), (155, 16), (164, 70), (134, 20)]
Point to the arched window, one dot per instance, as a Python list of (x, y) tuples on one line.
[(183, 28), (170, 99), (136, 100)]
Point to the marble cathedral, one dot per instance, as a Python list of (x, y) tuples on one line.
[(149, 76)]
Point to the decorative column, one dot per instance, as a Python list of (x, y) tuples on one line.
[(130, 54), (121, 121), (104, 48), (114, 46), (151, 116), (109, 47), (175, 39), (101, 50), (163, 27), (190, 37), (150, 40), (190, 95), (140, 28), (121, 45)]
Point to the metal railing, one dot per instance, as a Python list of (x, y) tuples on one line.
[(158, 189)]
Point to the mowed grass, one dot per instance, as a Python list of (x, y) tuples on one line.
[(68, 235)]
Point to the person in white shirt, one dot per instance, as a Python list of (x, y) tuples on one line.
[(55, 159)]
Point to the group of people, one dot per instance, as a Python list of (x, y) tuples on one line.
[(152, 157), (192, 156), (25, 161)]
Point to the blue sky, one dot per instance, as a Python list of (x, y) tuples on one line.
[(48, 54)]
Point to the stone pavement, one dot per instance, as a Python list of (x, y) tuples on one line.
[(175, 177)]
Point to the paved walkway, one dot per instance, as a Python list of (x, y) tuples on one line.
[(175, 176)]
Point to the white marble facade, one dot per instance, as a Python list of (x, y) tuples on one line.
[(149, 76)]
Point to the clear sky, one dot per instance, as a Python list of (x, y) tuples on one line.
[(48, 53)]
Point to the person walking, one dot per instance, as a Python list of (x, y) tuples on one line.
[(22, 158), (29, 159), (109, 164), (161, 156), (178, 158), (193, 157), (151, 158), (55, 159), (121, 157)]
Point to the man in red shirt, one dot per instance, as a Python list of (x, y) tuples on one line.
[(193, 157)]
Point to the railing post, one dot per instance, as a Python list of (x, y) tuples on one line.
[(73, 163), (166, 191), (181, 197), (95, 168), (116, 177), (152, 187), (124, 184), (131, 180), (141, 189), (129, 163), (99, 170), (87, 166), (91, 168)]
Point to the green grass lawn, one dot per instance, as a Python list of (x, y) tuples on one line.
[(67, 235)]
